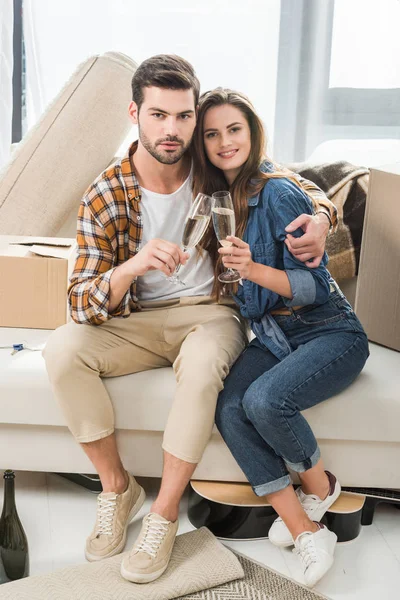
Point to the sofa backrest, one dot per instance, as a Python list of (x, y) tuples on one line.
[(74, 141)]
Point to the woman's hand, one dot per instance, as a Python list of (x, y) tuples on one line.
[(237, 256)]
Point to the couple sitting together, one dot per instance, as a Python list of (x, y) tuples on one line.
[(127, 317)]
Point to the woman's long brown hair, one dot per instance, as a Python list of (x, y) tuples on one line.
[(208, 179)]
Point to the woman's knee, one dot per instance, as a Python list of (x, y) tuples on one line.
[(221, 410), (229, 414), (227, 422), (259, 407)]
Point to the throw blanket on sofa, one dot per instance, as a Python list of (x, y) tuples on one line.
[(346, 186)]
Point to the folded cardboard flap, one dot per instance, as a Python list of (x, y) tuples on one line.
[(43, 241), (52, 247), (52, 251), (28, 250)]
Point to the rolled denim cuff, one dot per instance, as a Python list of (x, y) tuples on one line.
[(272, 486), (306, 464), (304, 288)]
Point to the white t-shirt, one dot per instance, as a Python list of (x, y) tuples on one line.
[(164, 216)]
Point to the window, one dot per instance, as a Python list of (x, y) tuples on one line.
[(338, 74), (364, 77)]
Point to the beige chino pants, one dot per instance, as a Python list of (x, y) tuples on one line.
[(199, 338)]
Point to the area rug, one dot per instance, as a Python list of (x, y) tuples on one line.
[(198, 561), (259, 583)]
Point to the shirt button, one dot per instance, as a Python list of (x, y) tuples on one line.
[(137, 248), (130, 196), (139, 218)]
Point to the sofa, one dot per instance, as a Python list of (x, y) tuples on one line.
[(357, 430)]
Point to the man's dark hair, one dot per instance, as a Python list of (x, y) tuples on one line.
[(166, 71)]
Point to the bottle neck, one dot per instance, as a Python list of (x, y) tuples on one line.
[(9, 496)]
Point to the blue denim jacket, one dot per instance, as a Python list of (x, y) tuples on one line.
[(277, 204)]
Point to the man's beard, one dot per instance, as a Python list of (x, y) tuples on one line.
[(166, 157)]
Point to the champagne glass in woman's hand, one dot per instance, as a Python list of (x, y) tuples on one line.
[(195, 227), (223, 216)]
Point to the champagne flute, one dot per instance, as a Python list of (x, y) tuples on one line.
[(223, 216), (195, 227)]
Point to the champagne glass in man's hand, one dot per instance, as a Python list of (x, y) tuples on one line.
[(223, 216), (195, 227)]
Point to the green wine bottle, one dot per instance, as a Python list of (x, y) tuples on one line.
[(14, 556)]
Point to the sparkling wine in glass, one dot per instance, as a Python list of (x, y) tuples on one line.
[(195, 227), (223, 216)]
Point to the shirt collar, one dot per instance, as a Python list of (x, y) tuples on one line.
[(128, 173), (265, 167), (254, 200)]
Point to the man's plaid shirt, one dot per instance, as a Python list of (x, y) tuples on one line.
[(109, 232)]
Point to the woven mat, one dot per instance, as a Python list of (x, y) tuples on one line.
[(198, 561), (259, 583)]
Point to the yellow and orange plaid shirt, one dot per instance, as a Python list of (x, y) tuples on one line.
[(109, 232)]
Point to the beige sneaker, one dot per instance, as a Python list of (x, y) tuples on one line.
[(114, 513), (150, 555)]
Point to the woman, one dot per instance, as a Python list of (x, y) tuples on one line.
[(309, 344)]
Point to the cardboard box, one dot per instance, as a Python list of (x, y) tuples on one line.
[(34, 275), (378, 287)]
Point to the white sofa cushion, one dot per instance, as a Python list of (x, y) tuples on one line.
[(369, 410)]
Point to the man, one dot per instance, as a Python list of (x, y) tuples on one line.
[(127, 317)]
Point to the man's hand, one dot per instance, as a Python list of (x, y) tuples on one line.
[(157, 255), (237, 257), (310, 247)]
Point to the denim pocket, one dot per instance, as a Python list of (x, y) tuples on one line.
[(265, 254), (313, 319)]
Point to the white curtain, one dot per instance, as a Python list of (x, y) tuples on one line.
[(231, 43), (338, 90), (6, 70)]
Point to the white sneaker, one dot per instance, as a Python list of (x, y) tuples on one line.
[(315, 508), (315, 551)]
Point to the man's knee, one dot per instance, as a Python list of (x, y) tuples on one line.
[(202, 362), (63, 351)]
